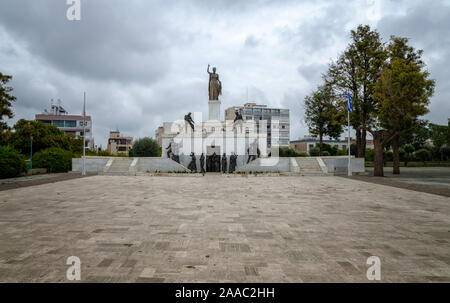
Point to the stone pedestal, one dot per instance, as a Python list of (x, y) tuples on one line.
[(214, 110)]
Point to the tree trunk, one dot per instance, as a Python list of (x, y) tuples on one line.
[(363, 143), (358, 141), (321, 144), (395, 149), (378, 154)]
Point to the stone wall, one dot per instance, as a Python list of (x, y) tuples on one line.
[(93, 164), (339, 165)]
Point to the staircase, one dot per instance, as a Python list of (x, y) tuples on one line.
[(311, 166), (121, 167)]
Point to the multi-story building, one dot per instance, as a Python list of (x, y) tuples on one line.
[(309, 142), (158, 135), (69, 124), (118, 144), (278, 126)]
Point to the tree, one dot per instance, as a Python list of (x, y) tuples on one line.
[(322, 115), (44, 136), (145, 147), (423, 155), (356, 71), (417, 136), (409, 150), (5, 101), (402, 94), (438, 135), (398, 48)]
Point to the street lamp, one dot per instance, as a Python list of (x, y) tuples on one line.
[(31, 154)]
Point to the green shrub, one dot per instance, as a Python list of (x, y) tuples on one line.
[(353, 149), (12, 163), (408, 148), (388, 156), (332, 150), (314, 152), (369, 155), (55, 160), (289, 152), (103, 153), (326, 153), (423, 155), (342, 152), (145, 147), (445, 151)]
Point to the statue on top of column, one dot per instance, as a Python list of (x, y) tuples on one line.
[(215, 86)]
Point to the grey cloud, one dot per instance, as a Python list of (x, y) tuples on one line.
[(106, 44), (251, 41), (144, 62)]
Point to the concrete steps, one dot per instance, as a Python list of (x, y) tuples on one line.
[(295, 166), (311, 166), (121, 167)]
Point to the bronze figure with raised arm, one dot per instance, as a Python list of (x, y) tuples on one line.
[(215, 86)]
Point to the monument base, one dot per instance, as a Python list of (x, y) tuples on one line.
[(214, 110)]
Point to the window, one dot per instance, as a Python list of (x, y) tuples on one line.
[(58, 123), (311, 146), (70, 123)]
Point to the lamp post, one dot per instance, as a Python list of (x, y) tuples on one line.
[(31, 154)]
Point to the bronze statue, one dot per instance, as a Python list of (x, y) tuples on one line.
[(208, 164), (193, 164), (202, 163), (224, 163), (251, 156), (169, 150), (217, 163), (238, 116), (232, 167), (214, 86), (189, 120), (214, 162)]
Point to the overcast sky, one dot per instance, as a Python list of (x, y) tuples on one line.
[(144, 62)]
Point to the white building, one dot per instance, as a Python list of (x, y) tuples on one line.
[(69, 124), (274, 117)]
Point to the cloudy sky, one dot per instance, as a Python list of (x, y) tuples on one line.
[(144, 62)]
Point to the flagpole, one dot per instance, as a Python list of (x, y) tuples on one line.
[(349, 167), (84, 136)]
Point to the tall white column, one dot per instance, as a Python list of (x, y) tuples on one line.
[(214, 110)]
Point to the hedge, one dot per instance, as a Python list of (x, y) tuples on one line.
[(55, 160), (12, 163)]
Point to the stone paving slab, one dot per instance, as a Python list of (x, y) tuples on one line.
[(219, 229)]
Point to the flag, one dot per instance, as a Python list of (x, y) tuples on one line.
[(349, 105)]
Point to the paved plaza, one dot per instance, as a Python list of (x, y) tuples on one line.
[(222, 229)]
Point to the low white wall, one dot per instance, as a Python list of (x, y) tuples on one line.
[(163, 165), (272, 164), (339, 165), (93, 164)]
